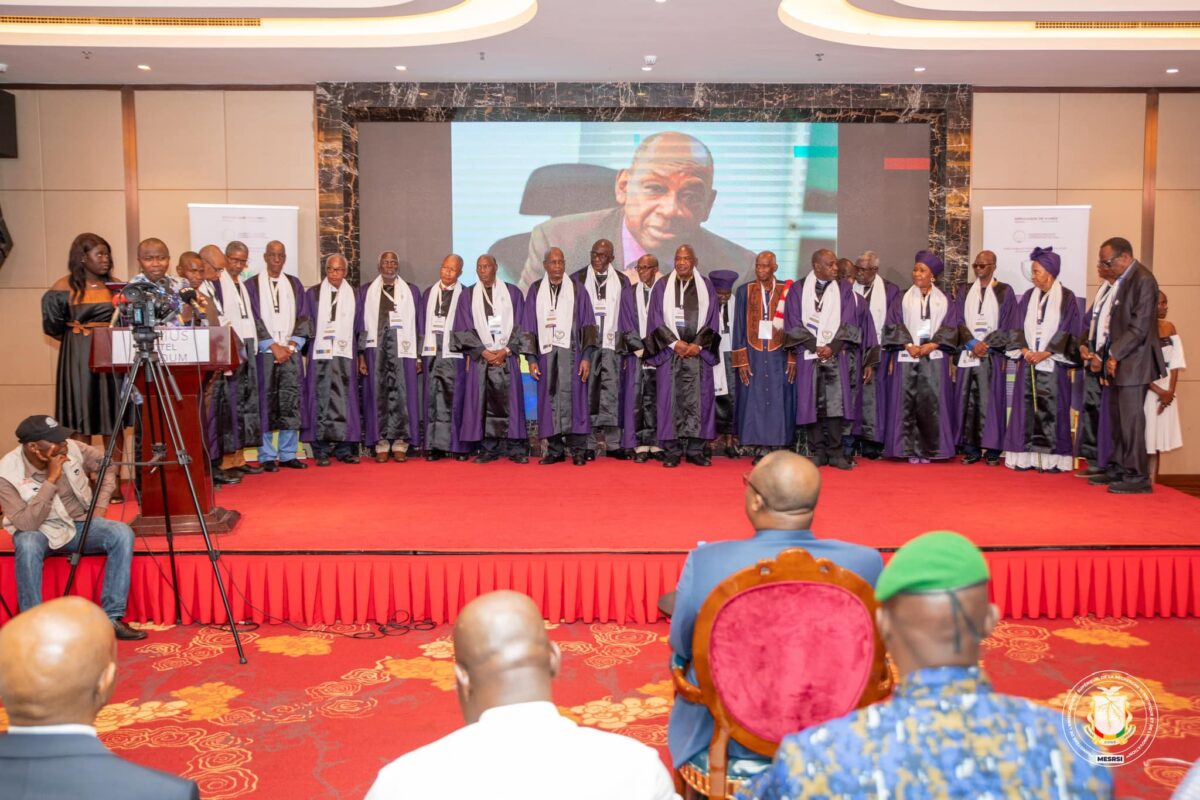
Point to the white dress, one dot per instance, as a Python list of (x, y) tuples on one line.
[(1162, 430)]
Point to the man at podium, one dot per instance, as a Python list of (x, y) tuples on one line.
[(45, 491)]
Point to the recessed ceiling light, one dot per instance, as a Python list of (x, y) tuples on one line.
[(918, 69), (647, 68), (885, 94), (660, 1), (144, 67), (1172, 70), (423, 94), (401, 67)]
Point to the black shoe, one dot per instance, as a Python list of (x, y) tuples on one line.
[(462, 456), (732, 453), (223, 478), (434, 455), (1130, 487), (1090, 472), (519, 458), (126, 633), (581, 459), (670, 462), (641, 458), (1104, 479), (819, 459), (993, 461), (840, 462), (552, 459), (619, 455), (348, 459), (293, 463), (700, 460), (270, 466), (973, 458), (249, 470), (322, 461), (487, 458), (757, 459), (875, 455), (590, 455)]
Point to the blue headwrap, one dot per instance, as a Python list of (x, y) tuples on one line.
[(934, 263), (1050, 260)]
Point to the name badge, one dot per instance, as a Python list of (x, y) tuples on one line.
[(1045, 366), (494, 325), (330, 331), (551, 319), (600, 312), (395, 320), (924, 332), (439, 324), (678, 317), (765, 329)]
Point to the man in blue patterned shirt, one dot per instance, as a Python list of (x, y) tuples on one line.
[(945, 732)]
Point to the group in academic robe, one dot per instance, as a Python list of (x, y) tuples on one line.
[(724, 382), (639, 425), (764, 368), (487, 332), (444, 368), (235, 410), (331, 418), (920, 334), (390, 332), (559, 342), (682, 343), (877, 296), (988, 314)]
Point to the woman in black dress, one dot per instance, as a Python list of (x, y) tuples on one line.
[(85, 401)]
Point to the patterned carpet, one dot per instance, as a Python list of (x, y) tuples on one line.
[(315, 714)]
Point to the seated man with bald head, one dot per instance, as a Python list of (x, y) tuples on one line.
[(781, 499), (945, 732), (515, 743), (58, 666)]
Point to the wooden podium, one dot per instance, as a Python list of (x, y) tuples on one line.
[(191, 355)]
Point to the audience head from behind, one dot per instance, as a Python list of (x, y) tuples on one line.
[(945, 728), (516, 744), (782, 492), (58, 664)]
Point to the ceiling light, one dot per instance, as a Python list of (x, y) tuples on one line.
[(660, 1), (401, 67), (1172, 70), (918, 69), (144, 67), (647, 68), (423, 94), (648, 63)]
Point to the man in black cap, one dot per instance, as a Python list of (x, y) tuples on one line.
[(45, 491)]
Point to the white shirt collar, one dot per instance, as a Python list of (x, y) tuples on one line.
[(520, 711), (85, 730)]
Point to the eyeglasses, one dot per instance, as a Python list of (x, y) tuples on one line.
[(1109, 262), (983, 264)]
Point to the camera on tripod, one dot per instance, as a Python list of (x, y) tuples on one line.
[(146, 305)]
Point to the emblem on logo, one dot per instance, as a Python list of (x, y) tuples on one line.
[(1110, 718), (51, 422)]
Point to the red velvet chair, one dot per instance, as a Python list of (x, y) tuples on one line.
[(779, 647)]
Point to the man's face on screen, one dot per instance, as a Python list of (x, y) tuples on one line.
[(667, 191)]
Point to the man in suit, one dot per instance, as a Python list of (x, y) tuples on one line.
[(662, 200), (58, 667), (781, 498), (1133, 362)]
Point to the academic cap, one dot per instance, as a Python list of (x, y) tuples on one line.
[(941, 561), (934, 263), (723, 278)]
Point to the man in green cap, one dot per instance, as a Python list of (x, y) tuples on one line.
[(945, 732)]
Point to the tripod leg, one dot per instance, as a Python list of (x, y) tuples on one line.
[(156, 388), (105, 463), (176, 436)]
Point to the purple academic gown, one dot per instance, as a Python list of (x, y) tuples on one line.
[(233, 419), (1049, 431), (330, 408), (561, 364), (767, 407), (917, 427), (483, 381), (637, 402), (872, 418), (280, 387), (989, 402), (867, 355), (848, 338), (1093, 436), (676, 378), (443, 415), (382, 417)]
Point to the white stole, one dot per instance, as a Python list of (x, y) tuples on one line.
[(404, 323), (642, 301), (911, 304), (823, 323), (980, 320), (335, 337), (240, 314), (669, 302), (555, 331), (720, 379), (1037, 337), (279, 324), (493, 337), (608, 313), (430, 345), (1104, 299), (878, 303)]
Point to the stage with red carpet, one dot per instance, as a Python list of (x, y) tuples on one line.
[(357, 543)]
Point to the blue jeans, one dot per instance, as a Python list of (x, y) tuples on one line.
[(289, 443), (114, 539)]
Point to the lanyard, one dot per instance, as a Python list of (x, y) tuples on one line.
[(682, 290), (766, 299), (925, 307), (488, 309), (555, 289), (389, 292), (601, 285), (725, 318), (819, 295), (1041, 314), (333, 303), (275, 294), (241, 301), (982, 297)]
